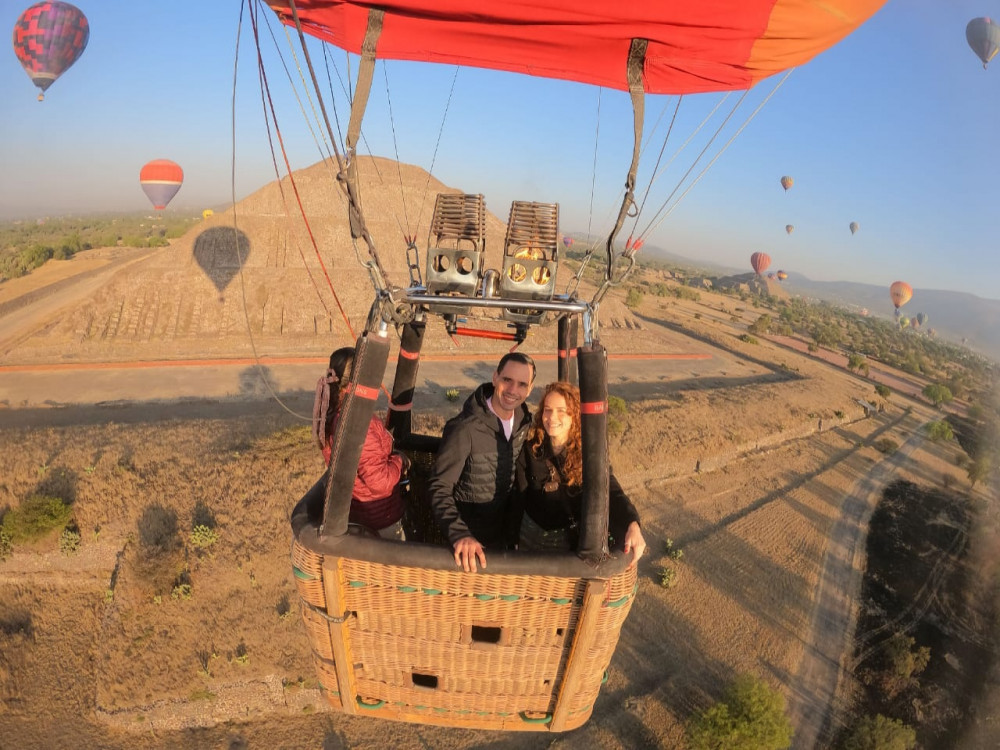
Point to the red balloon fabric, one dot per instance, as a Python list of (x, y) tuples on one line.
[(693, 45)]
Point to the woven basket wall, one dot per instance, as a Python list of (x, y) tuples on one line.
[(458, 649)]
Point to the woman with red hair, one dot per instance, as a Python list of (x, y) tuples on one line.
[(549, 481)]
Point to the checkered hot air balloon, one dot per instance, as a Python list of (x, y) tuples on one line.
[(48, 38)]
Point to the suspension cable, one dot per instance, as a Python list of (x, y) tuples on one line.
[(291, 178), (653, 226), (236, 230)]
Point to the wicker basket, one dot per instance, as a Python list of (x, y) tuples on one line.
[(512, 652)]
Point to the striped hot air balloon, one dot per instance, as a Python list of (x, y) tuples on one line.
[(759, 262), (160, 180)]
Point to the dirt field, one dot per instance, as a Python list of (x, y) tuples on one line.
[(744, 460)]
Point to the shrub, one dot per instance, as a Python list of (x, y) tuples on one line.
[(35, 517), (283, 607), (182, 586), (634, 298), (617, 406), (751, 716), (158, 529), (6, 545), (761, 325), (242, 654), (69, 540), (885, 445), (748, 339), (451, 394), (674, 553), (883, 390), (880, 733), (668, 577), (202, 516), (202, 537), (838, 413), (939, 430)]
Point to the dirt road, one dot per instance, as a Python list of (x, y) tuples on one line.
[(813, 691)]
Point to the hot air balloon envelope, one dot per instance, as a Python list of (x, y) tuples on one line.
[(854, 227), (160, 180), (689, 46), (48, 38), (759, 262), (983, 35), (568, 241), (900, 292), (789, 228), (787, 182), (781, 275), (207, 212)]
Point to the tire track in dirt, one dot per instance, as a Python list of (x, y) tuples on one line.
[(833, 617)]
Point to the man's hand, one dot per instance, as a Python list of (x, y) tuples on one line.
[(634, 541), (467, 550)]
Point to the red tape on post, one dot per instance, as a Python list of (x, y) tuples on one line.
[(408, 355), (400, 407), (363, 391), (593, 407)]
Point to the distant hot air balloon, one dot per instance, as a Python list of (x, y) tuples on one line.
[(759, 262), (789, 228), (787, 182), (48, 38), (207, 212), (904, 322), (983, 35), (781, 275), (160, 180), (900, 292), (771, 275), (854, 227), (568, 241), (921, 319)]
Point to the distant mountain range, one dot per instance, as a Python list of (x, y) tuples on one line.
[(953, 315)]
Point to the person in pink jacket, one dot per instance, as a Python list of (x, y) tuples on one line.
[(377, 500)]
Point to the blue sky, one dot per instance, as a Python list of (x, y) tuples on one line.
[(895, 128)]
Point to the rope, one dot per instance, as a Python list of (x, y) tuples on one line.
[(236, 230), (291, 179), (395, 148), (444, 117)]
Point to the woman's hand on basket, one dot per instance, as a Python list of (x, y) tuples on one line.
[(634, 541)]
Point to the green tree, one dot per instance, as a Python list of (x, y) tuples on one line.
[(858, 362), (751, 716), (883, 391), (634, 298), (939, 430), (937, 394), (761, 325), (880, 733), (978, 470)]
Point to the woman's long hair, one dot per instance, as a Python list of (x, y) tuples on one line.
[(341, 364), (329, 393), (573, 466)]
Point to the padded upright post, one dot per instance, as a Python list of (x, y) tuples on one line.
[(593, 361)]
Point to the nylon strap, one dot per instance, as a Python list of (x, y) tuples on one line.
[(636, 62)]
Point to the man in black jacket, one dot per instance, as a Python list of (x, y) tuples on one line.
[(474, 467)]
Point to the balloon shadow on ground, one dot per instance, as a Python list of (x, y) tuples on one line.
[(220, 252), (257, 381)]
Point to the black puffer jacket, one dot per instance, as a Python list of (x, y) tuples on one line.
[(474, 472)]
